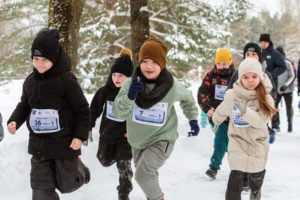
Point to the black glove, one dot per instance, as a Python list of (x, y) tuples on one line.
[(282, 88), (135, 87), (194, 128)]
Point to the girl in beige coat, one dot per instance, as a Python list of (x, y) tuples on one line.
[(249, 107)]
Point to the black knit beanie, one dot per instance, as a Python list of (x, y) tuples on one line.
[(123, 64), (251, 46), (265, 37), (46, 44)]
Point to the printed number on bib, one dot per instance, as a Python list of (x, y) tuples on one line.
[(220, 91), (44, 121), (109, 112), (154, 116)]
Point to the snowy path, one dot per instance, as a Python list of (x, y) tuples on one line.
[(182, 177)]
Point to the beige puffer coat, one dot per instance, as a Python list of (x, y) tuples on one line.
[(248, 134)]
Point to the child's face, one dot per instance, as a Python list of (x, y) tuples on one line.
[(251, 54), (41, 64), (150, 69), (118, 79), (222, 65), (250, 80)]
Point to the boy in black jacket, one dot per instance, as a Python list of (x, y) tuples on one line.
[(113, 144), (58, 119)]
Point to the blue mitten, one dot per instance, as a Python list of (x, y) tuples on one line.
[(135, 87), (271, 136), (194, 128)]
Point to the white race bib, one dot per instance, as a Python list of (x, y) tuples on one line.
[(220, 91), (154, 116), (44, 121), (237, 120), (109, 112)]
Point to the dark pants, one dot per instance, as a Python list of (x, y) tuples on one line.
[(66, 175), (220, 146), (236, 182), (288, 99), (119, 152), (125, 176)]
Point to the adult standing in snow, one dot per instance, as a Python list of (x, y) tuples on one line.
[(275, 62), (285, 89), (58, 120), (210, 95), (249, 106), (113, 145), (147, 101)]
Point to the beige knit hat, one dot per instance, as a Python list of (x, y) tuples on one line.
[(251, 65)]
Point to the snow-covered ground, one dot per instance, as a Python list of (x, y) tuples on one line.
[(182, 177)]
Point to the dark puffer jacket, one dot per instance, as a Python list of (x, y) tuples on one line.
[(275, 63), (55, 89)]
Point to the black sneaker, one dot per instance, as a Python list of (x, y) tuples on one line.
[(256, 195), (290, 127), (212, 173), (123, 197)]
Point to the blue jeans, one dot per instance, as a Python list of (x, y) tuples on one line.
[(220, 146)]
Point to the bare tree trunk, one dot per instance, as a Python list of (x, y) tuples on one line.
[(65, 16), (140, 27)]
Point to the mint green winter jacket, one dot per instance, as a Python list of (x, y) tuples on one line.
[(141, 135)]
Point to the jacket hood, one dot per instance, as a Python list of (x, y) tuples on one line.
[(63, 64)]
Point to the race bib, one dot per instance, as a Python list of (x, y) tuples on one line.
[(220, 91), (109, 112), (44, 121), (237, 120), (154, 116)]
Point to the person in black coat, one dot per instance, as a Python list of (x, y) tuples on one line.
[(58, 119), (113, 145), (275, 62)]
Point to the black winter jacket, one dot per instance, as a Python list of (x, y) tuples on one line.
[(55, 89), (110, 129), (275, 63)]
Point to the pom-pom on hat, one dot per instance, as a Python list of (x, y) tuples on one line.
[(123, 64), (156, 50), (223, 55), (46, 44)]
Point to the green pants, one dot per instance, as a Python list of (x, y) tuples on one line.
[(220, 146)]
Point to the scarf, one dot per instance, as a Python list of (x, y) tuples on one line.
[(163, 83)]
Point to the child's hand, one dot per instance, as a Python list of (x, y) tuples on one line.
[(211, 112), (12, 127), (76, 144)]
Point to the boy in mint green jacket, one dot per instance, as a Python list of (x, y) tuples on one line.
[(147, 103)]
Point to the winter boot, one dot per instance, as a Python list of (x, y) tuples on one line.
[(87, 174), (123, 197), (212, 173), (255, 195), (290, 127)]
